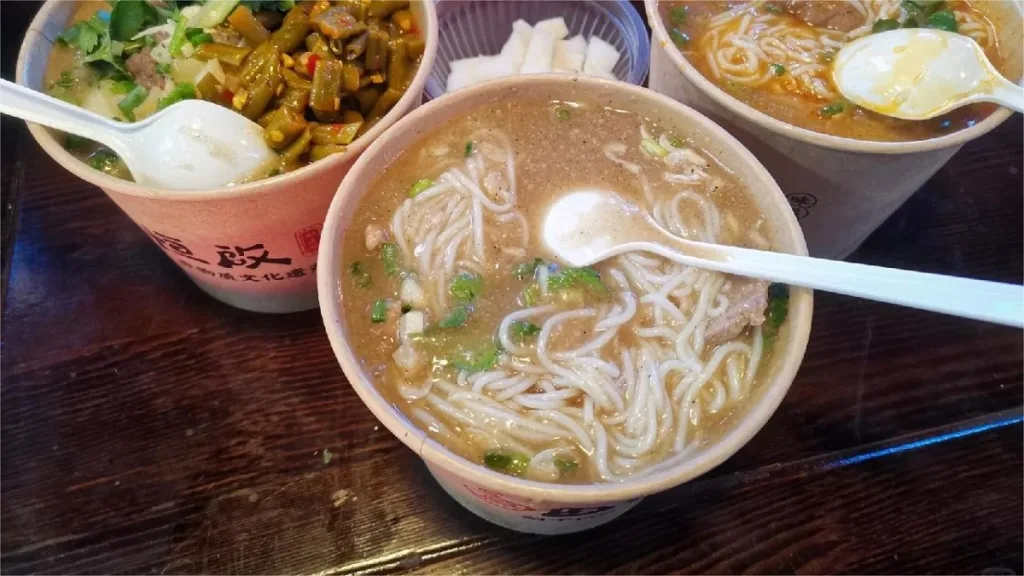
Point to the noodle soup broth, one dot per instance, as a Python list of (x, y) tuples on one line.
[(776, 56), (513, 361)]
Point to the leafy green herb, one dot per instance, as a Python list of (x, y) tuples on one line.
[(830, 110), (680, 38), (133, 100), (122, 86), (885, 25), (74, 142), (104, 160), (531, 294), (522, 330), (566, 465), (506, 462), (419, 186), (466, 286), (129, 17), (527, 269), (562, 114), (66, 80), (390, 256), (183, 91), (197, 36), (653, 148), (943, 20), (777, 69), (775, 314), (469, 149), (280, 5), (678, 15), (457, 318), (361, 277), (379, 311), (577, 277), (475, 359)]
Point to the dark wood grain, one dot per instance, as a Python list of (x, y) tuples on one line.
[(146, 428)]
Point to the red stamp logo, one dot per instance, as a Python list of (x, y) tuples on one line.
[(495, 499), (308, 239)]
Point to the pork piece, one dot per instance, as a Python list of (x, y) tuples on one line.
[(748, 300), (374, 237), (835, 14), (143, 69)]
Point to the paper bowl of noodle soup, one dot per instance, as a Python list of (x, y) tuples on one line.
[(252, 245), (762, 70), (544, 398)]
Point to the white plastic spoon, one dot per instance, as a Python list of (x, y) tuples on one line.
[(192, 145), (919, 73), (588, 226)]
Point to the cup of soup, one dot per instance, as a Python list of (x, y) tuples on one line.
[(323, 80), (546, 398), (763, 70)]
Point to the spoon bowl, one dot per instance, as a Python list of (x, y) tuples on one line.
[(587, 226), (192, 145), (918, 73)]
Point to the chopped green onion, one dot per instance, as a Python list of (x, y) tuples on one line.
[(678, 15), (66, 80), (885, 25), (133, 100), (653, 148), (574, 277), (943, 20), (566, 465), (457, 318), (777, 69), (213, 13), (830, 110), (675, 141), (390, 256), (379, 311), (122, 86), (469, 149), (74, 142), (183, 91), (680, 38), (163, 68), (522, 330), (419, 186), (562, 114), (197, 36), (479, 359), (466, 286), (362, 278), (506, 462), (103, 160), (531, 295), (178, 37), (527, 269), (776, 312)]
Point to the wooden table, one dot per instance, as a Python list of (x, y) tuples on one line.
[(146, 428)]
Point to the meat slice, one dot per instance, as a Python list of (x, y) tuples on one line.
[(748, 300), (143, 69), (839, 15), (374, 237)]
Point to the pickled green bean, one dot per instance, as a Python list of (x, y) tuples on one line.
[(397, 65), (376, 47), (350, 78), (321, 151), (295, 98), (336, 133), (384, 8), (355, 48), (367, 97), (243, 22), (230, 55), (293, 30), (283, 127), (290, 155), (386, 102), (337, 23), (327, 79)]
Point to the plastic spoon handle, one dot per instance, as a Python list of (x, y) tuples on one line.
[(37, 107), (1007, 94), (977, 299)]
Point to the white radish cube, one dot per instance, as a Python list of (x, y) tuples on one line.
[(569, 54), (463, 73), (554, 26), (412, 293), (496, 67), (539, 54), (517, 43), (409, 324), (601, 58)]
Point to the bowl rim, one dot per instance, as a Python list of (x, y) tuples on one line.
[(46, 140), (435, 88), (755, 116), (329, 270)]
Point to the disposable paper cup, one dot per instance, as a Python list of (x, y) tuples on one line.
[(516, 503), (840, 189), (252, 246)]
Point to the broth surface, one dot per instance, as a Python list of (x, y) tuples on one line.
[(558, 147)]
